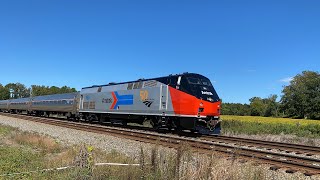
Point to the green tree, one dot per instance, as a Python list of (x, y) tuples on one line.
[(301, 98), (18, 90), (66, 89), (46, 90), (271, 106), (235, 109), (4, 93), (257, 106), (39, 90)]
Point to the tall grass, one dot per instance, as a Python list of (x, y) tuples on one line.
[(18, 159), (5, 130), (43, 143), (264, 125)]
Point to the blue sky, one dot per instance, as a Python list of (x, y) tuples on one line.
[(245, 47)]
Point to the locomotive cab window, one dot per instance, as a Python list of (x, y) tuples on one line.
[(193, 80), (206, 82)]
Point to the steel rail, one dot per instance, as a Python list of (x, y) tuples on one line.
[(286, 147)]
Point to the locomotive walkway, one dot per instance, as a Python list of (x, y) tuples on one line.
[(228, 146)]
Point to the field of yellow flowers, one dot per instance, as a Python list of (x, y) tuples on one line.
[(269, 125)]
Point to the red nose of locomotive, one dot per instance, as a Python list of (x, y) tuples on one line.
[(197, 99), (209, 109)]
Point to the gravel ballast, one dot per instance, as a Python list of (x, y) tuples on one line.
[(73, 136)]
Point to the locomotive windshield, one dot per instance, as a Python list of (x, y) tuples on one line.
[(200, 87), (202, 81), (194, 84)]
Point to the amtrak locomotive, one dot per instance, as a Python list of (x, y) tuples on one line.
[(185, 101)]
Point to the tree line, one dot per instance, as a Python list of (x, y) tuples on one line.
[(18, 90), (300, 99)]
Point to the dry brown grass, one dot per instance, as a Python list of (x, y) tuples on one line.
[(217, 168), (43, 143), (184, 164), (63, 158)]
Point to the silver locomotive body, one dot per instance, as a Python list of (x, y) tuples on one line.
[(138, 98)]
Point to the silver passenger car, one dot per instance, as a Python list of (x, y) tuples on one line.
[(19, 105), (55, 103), (4, 105)]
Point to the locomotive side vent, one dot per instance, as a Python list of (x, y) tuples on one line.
[(151, 83)]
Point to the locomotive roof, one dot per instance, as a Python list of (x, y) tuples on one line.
[(171, 75)]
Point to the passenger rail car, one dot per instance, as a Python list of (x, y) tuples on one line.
[(4, 106), (18, 105), (64, 104)]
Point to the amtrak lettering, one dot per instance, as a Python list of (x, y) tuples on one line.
[(206, 92), (107, 100)]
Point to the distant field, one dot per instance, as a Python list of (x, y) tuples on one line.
[(269, 125)]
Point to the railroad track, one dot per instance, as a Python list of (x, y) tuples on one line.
[(268, 145), (290, 162)]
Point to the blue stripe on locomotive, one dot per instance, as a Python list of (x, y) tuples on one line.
[(123, 99)]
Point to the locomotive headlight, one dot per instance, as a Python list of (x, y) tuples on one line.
[(201, 104), (200, 110)]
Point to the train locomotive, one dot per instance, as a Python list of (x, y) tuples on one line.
[(185, 101)]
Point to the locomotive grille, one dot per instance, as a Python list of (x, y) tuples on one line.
[(137, 85), (150, 83)]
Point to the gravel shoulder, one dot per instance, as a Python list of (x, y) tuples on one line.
[(71, 136)]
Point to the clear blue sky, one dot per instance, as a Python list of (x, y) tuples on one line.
[(245, 47)]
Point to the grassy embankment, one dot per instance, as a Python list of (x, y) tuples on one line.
[(253, 125), (25, 152)]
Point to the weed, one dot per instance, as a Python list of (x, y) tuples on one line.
[(5, 130)]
